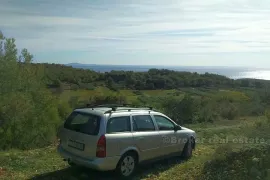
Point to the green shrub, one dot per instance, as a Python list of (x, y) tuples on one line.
[(228, 111), (87, 86), (182, 111), (206, 114), (74, 87), (64, 110), (251, 109), (28, 111), (73, 101), (108, 99), (145, 100), (222, 151), (29, 121), (246, 163), (258, 124), (176, 93), (137, 92), (267, 114)]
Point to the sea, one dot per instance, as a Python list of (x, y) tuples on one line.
[(231, 72)]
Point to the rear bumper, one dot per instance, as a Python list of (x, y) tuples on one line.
[(101, 164)]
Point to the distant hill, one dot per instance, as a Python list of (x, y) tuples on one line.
[(230, 72), (80, 76)]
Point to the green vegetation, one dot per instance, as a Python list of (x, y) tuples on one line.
[(66, 77), (28, 111), (36, 98), (213, 159)]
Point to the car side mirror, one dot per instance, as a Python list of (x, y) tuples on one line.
[(177, 128)]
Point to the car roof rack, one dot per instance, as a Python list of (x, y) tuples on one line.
[(114, 107), (106, 105), (128, 109)]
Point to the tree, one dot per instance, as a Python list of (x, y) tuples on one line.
[(1, 45), (25, 56), (8, 67), (182, 111), (111, 84), (1, 35), (28, 111)]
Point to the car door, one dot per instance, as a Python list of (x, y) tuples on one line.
[(118, 135), (146, 136), (171, 139)]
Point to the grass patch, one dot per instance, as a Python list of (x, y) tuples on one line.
[(157, 92), (231, 95), (246, 163), (25, 164), (45, 163), (85, 94)]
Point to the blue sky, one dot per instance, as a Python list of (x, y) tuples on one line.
[(156, 32)]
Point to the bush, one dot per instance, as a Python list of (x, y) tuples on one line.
[(74, 87), (109, 99), (246, 163), (28, 111), (267, 115), (73, 102), (222, 151), (29, 121), (137, 92), (251, 109), (145, 100), (228, 111), (207, 114), (87, 86), (207, 111), (64, 110), (176, 93), (182, 111)]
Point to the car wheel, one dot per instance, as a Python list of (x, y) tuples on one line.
[(187, 152), (127, 165), (71, 163)]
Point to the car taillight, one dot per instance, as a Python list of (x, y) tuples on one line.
[(101, 147)]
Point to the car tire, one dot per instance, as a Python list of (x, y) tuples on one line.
[(127, 166), (187, 152), (71, 163)]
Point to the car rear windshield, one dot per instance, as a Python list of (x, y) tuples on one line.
[(83, 123)]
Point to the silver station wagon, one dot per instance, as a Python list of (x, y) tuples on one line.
[(114, 137)]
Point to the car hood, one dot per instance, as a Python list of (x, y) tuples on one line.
[(184, 128), (188, 130)]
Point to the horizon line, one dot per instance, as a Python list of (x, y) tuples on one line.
[(147, 65)]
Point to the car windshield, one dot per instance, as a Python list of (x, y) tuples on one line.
[(83, 123)]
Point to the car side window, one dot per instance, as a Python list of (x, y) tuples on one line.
[(142, 123), (118, 124), (163, 123)]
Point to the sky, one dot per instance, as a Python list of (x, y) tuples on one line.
[(141, 32)]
